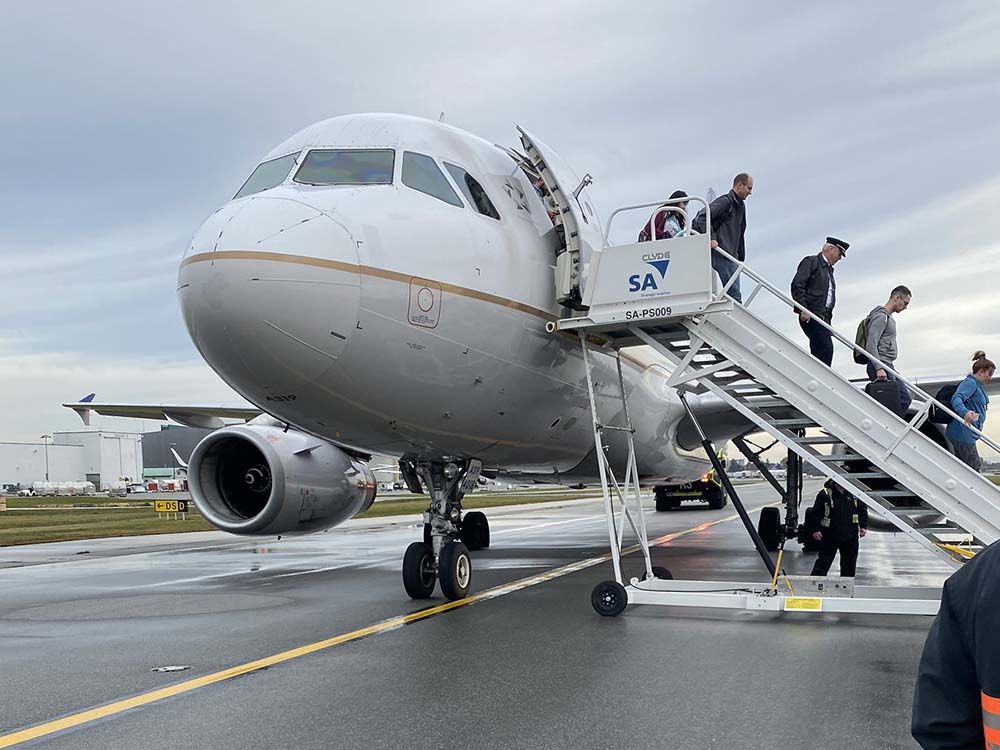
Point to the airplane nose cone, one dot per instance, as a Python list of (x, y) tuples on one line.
[(270, 291)]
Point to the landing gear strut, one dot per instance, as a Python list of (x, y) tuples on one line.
[(444, 553)]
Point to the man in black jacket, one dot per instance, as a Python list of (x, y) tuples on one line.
[(957, 701), (729, 224), (815, 288), (840, 520)]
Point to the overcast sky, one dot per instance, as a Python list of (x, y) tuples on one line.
[(123, 125)]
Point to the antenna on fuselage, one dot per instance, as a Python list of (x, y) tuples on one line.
[(441, 117)]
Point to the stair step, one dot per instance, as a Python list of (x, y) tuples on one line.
[(740, 389), (934, 530), (819, 440), (906, 512), (867, 475), (891, 493), (792, 422), (763, 403), (834, 459)]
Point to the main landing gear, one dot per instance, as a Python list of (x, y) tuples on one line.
[(443, 555)]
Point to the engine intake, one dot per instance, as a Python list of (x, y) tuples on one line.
[(262, 479)]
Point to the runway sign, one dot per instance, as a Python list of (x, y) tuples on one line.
[(170, 506)]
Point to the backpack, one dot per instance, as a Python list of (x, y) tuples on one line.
[(861, 339), (944, 396), (647, 234)]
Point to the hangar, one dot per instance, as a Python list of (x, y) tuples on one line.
[(96, 456)]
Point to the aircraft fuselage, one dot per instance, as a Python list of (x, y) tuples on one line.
[(391, 320)]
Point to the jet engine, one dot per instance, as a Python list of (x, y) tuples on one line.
[(259, 478)]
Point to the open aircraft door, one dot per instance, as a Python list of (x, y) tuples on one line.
[(581, 230)]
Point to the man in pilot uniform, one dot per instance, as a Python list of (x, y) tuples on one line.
[(815, 288), (839, 521)]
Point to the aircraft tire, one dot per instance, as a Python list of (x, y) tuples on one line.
[(427, 533), (418, 570), (769, 528), (476, 530), (609, 598), (455, 570)]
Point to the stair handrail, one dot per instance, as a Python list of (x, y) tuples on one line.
[(668, 204), (921, 414)]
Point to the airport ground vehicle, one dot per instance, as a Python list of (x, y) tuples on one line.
[(706, 489)]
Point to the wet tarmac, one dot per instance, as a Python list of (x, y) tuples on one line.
[(83, 624)]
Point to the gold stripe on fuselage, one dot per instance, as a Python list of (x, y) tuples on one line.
[(374, 272), (403, 278)]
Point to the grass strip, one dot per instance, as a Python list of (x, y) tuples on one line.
[(59, 524)]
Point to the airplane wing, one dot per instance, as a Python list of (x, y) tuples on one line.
[(209, 416)]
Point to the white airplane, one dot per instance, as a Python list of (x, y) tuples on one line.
[(381, 284)]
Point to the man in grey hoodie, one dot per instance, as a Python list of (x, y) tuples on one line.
[(881, 340)]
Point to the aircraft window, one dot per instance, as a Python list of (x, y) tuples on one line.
[(267, 175), (422, 173), (347, 167), (473, 191)]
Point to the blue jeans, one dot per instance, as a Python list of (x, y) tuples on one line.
[(726, 268), (905, 399)]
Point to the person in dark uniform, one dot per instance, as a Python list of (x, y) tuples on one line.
[(815, 288), (956, 704), (840, 520)]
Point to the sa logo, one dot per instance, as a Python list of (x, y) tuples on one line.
[(640, 283)]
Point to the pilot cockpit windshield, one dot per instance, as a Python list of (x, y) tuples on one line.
[(267, 175), (347, 167)]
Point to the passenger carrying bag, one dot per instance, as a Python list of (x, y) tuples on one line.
[(944, 396), (886, 392)]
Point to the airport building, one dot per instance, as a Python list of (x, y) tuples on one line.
[(22, 464), (156, 455), (101, 457)]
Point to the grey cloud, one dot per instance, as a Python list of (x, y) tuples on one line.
[(123, 125)]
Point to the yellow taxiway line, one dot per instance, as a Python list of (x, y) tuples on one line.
[(144, 699)]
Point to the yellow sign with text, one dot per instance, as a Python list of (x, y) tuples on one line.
[(170, 506), (804, 604)]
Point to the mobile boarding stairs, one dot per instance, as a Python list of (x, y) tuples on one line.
[(664, 294)]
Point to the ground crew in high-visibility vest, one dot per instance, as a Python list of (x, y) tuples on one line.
[(957, 701), (839, 520)]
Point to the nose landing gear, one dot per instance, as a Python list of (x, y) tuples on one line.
[(448, 537)]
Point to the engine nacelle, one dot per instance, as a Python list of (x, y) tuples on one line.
[(262, 479)]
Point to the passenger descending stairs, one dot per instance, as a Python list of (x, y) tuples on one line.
[(900, 473)]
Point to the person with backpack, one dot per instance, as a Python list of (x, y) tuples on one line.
[(668, 222), (970, 401), (880, 341), (815, 288), (729, 225)]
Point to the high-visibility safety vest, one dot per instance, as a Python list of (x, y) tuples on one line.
[(828, 509), (991, 721)]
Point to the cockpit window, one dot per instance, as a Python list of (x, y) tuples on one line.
[(473, 191), (267, 175), (422, 173), (347, 167)]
